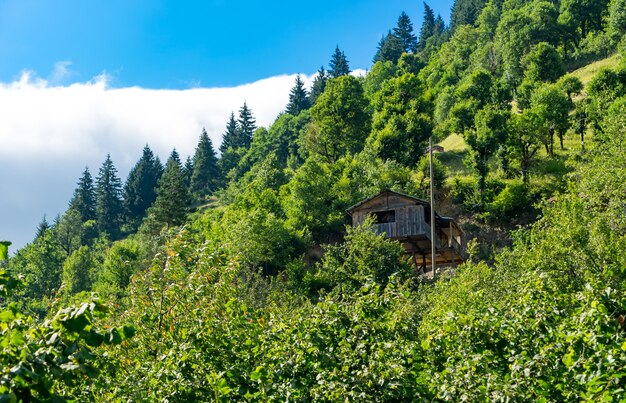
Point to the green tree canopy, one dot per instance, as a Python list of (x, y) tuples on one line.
[(489, 133), (552, 107), (402, 120), (543, 63), (78, 271), (340, 119)]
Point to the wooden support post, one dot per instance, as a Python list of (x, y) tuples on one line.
[(452, 245), (433, 249)]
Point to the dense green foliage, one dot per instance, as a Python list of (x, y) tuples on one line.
[(265, 293)]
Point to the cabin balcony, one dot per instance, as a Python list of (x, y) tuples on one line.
[(420, 233)]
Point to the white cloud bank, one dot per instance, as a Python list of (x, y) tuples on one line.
[(50, 132)]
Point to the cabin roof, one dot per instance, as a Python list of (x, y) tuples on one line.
[(386, 192)]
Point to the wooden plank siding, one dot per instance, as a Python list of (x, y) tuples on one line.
[(403, 218)]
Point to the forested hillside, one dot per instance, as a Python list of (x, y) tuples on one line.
[(233, 274)]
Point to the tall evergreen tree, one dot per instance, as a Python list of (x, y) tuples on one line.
[(188, 171), (229, 138), (319, 84), (404, 32), (205, 176), (428, 27), (247, 126), (298, 98), (465, 12), (389, 49), (108, 199), (173, 198), (42, 228), (338, 65), (440, 26), (140, 187), (84, 198)]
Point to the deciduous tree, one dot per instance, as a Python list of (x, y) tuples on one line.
[(340, 120)]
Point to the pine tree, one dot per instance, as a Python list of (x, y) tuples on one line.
[(389, 49), (84, 198), (229, 138), (440, 26), (140, 187), (188, 171), (173, 198), (319, 84), (247, 126), (465, 12), (205, 176), (42, 228), (298, 98), (428, 27), (404, 32), (108, 199), (338, 65)]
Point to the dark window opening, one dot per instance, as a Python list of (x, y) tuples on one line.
[(383, 217)]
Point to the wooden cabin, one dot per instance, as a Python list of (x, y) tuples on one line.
[(407, 219)]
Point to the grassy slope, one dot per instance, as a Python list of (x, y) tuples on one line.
[(586, 73), (455, 147)]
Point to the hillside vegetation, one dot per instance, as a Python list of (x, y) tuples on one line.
[(238, 277)]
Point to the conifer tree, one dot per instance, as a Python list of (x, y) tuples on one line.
[(140, 187), (247, 126), (404, 32), (229, 138), (42, 227), (428, 27), (205, 175), (465, 12), (389, 49), (108, 199), (298, 98), (84, 198), (440, 26), (173, 198), (319, 84), (188, 171), (338, 65)]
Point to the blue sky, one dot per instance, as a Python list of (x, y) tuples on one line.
[(80, 79), (183, 44)]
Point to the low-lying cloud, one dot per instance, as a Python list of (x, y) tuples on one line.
[(49, 133)]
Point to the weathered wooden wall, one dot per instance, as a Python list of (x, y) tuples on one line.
[(409, 216)]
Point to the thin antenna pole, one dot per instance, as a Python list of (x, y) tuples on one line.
[(433, 251)]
